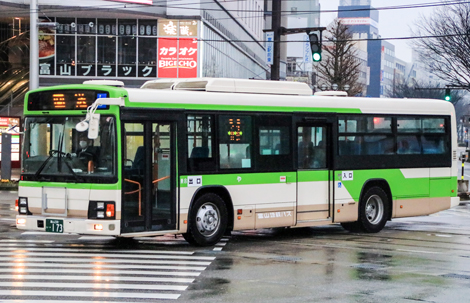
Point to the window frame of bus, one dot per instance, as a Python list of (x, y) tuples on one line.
[(36, 100), (389, 161)]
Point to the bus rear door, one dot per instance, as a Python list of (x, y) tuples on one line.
[(314, 174)]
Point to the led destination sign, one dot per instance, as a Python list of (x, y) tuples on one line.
[(64, 99)]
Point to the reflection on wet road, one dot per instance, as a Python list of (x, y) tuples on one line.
[(36, 270), (423, 259)]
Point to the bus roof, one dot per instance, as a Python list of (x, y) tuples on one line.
[(231, 86), (205, 100)]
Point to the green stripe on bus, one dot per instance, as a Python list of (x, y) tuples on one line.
[(97, 186), (190, 106), (399, 185), (243, 179), (312, 175)]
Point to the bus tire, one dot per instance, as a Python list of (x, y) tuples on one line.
[(207, 220), (373, 210)]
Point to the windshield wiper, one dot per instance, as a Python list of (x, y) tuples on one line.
[(43, 165)]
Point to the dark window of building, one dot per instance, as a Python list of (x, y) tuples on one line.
[(86, 48), (65, 55), (107, 56)]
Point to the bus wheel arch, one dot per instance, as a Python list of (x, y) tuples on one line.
[(215, 204), (375, 205)]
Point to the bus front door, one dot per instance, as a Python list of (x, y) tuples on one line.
[(149, 194), (313, 173)]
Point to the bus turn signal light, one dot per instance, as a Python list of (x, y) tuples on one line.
[(110, 210)]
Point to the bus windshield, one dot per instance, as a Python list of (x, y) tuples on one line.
[(54, 150)]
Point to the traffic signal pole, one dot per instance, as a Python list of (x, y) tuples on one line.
[(279, 31), (276, 28)]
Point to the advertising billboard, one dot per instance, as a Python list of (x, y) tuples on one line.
[(177, 57)]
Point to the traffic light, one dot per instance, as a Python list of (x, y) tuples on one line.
[(447, 96), (315, 45)]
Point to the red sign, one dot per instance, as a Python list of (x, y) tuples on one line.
[(177, 58), (187, 58)]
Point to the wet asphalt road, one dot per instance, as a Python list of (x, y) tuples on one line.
[(422, 259)]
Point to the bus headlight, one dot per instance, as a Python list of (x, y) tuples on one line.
[(101, 210), (23, 206)]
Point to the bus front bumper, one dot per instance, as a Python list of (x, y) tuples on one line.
[(68, 225)]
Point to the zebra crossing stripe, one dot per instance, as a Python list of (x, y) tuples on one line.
[(105, 255), (26, 241), (95, 278), (140, 252), (91, 294), (94, 265), (104, 261), (103, 286), (36, 271), (102, 272)]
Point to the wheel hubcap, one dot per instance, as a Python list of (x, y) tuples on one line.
[(374, 209), (207, 219)]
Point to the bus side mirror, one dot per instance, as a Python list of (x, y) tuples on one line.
[(94, 126)]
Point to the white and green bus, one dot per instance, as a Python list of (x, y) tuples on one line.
[(203, 157)]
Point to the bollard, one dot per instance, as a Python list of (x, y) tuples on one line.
[(6, 157), (463, 166)]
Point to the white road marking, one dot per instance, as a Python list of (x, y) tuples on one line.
[(92, 294), (102, 286), (105, 255), (97, 270), (22, 277), (102, 261)]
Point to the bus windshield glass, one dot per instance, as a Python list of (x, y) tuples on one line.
[(54, 150)]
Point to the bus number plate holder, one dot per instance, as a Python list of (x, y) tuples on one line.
[(54, 226)]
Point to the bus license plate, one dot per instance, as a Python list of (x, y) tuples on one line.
[(54, 226)]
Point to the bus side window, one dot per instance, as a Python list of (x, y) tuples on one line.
[(235, 141), (199, 139)]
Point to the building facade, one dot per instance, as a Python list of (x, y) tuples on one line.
[(300, 14), (363, 21), (135, 41)]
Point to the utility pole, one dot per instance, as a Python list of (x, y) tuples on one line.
[(33, 46), (276, 28)]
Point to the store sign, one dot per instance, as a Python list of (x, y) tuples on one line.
[(149, 2), (359, 21), (177, 58), (11, 125), (174, 28), (270, 48)]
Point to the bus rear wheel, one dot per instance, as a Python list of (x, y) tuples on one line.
[(374, 209), (207, 220)]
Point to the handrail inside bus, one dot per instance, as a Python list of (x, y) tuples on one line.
[(139, 190)]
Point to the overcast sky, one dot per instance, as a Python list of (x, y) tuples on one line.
[(392, 23)]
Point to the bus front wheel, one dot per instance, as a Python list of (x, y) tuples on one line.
[(207, 220), (373, 210)]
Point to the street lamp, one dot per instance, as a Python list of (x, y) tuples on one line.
[(324, 87), (334, 86), (346, 87)]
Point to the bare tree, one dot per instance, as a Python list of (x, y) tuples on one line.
[(422, 90), (446, 48), (340, 63)]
